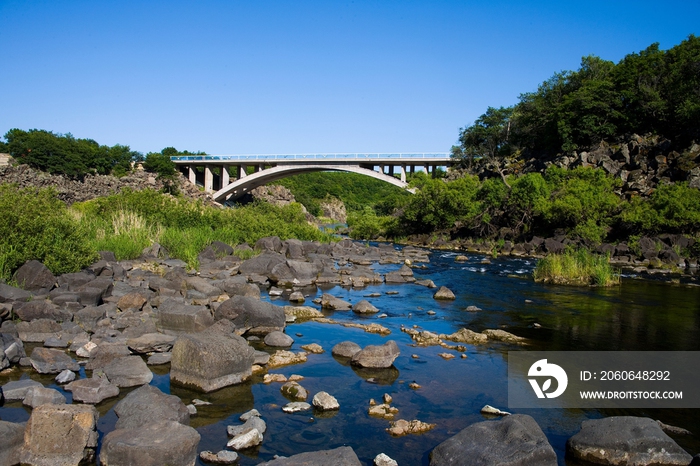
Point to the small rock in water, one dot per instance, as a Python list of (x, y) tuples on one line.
[(431, 313), (296, 406), (404, 427), (536, 325), (491, 410), (392, 292), (192, 410), (382, 316), (384, 460), (415, 356), (387, 398), (325, 402), (314, 348), (222, 457), (295, 377), (414, 386), (446, 355), (269, 378), (65, 377), (247, 440), (248, 414), (198, 402), (473, 309)]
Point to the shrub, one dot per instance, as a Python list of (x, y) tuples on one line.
[(576, 267)]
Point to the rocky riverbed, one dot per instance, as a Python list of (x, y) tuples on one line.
[(85, 353)]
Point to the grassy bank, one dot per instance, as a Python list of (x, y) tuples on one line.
[(576, 267), (66, 239)]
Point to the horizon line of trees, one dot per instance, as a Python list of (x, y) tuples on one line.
[(65, 154), (653, 91)]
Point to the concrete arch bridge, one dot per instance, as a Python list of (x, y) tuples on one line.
[(228, 177)]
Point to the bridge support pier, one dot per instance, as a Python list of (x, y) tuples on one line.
[(191, 175), (403, 173), (225, 178), (208, 179)]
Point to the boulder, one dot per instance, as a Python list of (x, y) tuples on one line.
[(335, 304), (147, 405), (151, 342), (17, 390), (41, 309), (278, 339), (345, 349), (203, 286), (12, 435), (294, 391), (52, 361), (93, 390), (104, 353), (60, 435), (257, 316), (376, 356), (133, 300), (65, 376), (364, 307), (88, 316), (212, 361), (516, 437), (176, 317), (221, 457), (13, 348), (444, 293), (624, 440), (155, 444), (37, 396), (341, 456), (9, 294), (128, 371), (262, 264), (464, 335), (248, 439), (325, 402)]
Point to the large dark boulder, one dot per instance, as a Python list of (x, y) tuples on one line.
[(10, 294), (12, 435), (262, 264), (52, 361), (623, 440), (35, 276), (41, 309), (515, 440), (250, 313), (294, 273), (155, 444), (342, 456), (147, 405), (176, 317), (128, 371), (212, 361), (269, 243)]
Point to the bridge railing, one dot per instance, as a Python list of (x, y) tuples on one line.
[(427, 156)]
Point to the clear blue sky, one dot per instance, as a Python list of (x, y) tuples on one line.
[(300, 76)]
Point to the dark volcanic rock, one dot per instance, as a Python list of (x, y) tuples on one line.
[(156, 444), (12, 435), (147, 405), (342, 456), (250, 313), (52, 361), (93, 390), (35, 276), (622, 440), (41, 309), (212, 361), (517, 438)]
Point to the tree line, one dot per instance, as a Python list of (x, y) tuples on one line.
[(653, 91), (64, 154)]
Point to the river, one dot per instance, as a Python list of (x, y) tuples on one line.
[(637, 315)]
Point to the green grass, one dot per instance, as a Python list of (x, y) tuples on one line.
[(67, 239), (576, 267)]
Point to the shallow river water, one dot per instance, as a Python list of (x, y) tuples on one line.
[(638, 315)]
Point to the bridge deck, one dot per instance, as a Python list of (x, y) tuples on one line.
[(417, 158)]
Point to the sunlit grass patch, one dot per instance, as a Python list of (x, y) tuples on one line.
[(576, 267)]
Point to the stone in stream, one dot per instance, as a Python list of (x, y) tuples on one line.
[(278, 339), (60, 435), (346, 349), (128, 371), (12, 435), (17, 390), (296, 406), (93, 390), (256, 316), (176, 317), (37, 396), (622, 440), (364, 307), (325, 402), (52, 361), (341, 456), (444, 293), (384, 460), (65, 377), (222, 457), (208, 362), (151, 342), (376, 356), (147, 405), (516, 437), (335, 304), (155, 444), (294, 391)]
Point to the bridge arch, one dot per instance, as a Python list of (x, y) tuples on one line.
[(243, 185)]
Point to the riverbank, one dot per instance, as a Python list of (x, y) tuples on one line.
[(156, 296)]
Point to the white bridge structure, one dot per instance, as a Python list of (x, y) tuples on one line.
[(228, 177)]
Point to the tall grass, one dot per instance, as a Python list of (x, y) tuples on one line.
[(576, 267), (36, 225)]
